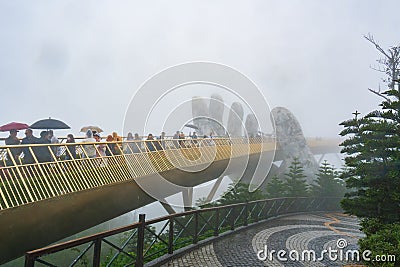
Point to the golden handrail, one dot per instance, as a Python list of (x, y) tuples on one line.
[(60, 173)]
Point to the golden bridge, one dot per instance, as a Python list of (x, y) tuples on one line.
[(44, 201)]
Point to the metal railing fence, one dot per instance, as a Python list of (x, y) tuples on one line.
[(30, 173), (144, 241)]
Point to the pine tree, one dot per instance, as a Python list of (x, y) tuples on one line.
[(295, 183), (275, 188), (327, 183), (239, 193), (373, 152)]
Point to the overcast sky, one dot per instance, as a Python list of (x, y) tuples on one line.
[(81, 61)]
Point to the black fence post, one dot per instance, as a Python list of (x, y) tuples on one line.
[(140, 241), (97, 253), (196, 227), (171, 236), (232, 218), (216, 229), (246, 213), (29, 260)]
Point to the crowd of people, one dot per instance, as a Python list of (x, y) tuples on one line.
[(42, 153), (113, 145)]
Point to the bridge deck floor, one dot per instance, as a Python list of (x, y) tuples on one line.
[(316, 231)]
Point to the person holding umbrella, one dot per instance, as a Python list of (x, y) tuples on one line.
[(48, 124), (42, 152), (54, 140), (13, 140), (13, 128), (89, 149)]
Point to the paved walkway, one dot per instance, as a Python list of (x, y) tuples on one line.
[(293, 234)]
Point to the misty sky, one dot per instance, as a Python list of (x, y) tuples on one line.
[(81, 61)]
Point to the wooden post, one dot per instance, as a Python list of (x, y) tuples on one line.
[(97, 253), (29, 260), (196, 227), (171, 236), (246, 214), (140, 241), (216, 229)]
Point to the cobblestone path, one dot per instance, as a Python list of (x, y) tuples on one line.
[(293, 234)]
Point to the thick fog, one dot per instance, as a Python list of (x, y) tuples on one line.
[(82, 61)]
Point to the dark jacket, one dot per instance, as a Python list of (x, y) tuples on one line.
[(28, 158), (10, 141), (42, 152)]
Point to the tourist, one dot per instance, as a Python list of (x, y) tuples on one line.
[(194, 138), (137, 145), (137, 137), (42, 152), (54, 140), (175, 140), (89, 150), (12, 140), (27, 140), (129, 145), (150, 143), (157, 145), (162, 140), (110, 149), (194, 135), (70, 148), (116, 137), (129, 137), (182, 140), (100, 152)]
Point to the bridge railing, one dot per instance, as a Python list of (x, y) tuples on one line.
[(147, 241), (30, 173)]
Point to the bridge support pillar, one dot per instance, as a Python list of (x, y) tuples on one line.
[(187, 198), (214, 189), (167, 206)]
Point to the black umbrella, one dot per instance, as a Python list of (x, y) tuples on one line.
[(192, 126), (49, 124)]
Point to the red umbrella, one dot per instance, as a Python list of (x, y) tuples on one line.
[(13, 126)]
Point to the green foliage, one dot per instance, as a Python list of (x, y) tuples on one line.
[(373, 154), (239, 193), (203, 203), (276, 188), (381, 239), (328, 184), (295, 183), (121, 260), (372, 161), (373, 167)]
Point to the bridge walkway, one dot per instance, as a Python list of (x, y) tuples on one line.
[(313, 231)]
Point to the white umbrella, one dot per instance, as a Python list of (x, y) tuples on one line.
[(93, 128)]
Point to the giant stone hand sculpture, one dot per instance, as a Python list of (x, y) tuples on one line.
[(290, 139), (292, 144)]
